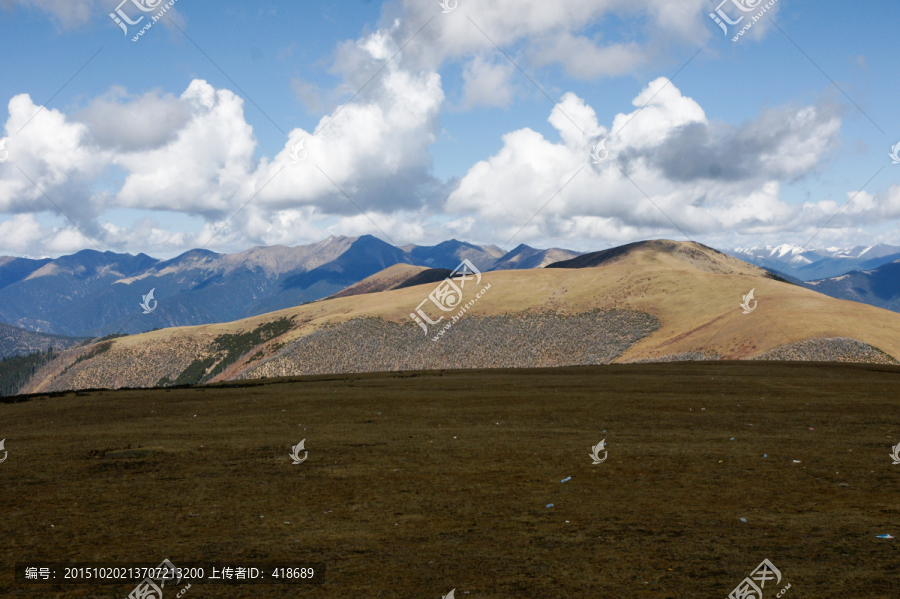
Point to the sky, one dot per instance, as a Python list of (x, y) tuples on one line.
[(581, 124)]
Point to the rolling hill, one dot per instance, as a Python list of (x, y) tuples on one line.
[(649, 301), (449, 254)]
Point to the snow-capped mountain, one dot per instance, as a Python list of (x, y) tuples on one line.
[(808, 264)]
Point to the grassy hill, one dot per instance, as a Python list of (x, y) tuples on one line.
[(657, 300)]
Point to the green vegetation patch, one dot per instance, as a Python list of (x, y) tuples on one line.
[(100, 349), (228, 349), (102, 339), (193, 374), (16, 371)]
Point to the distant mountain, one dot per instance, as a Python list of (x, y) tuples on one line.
[(91, 294), (811, 264), (68, 295), (449, 254), (13, 270), (402, 276), (19, 342), (878, 287), (528, 257), (365, 256)]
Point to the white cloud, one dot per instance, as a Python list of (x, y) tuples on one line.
[(551, 32), (707, 177), (204, 169), (20, 231), (584, 59), (376, 150), (199, 159), (52, 151), (23, 235), (118, 120), (487, 83)]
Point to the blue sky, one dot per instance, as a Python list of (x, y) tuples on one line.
[(750, 144)]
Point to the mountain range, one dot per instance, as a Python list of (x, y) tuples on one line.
[(90, 294), (877, 287), (812, 264)]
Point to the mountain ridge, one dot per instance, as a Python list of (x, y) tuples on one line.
[(877, 287), (91, 293)]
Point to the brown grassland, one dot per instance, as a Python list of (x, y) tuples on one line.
[(421, 482)]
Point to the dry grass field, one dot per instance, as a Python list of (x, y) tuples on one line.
[(422, 482)]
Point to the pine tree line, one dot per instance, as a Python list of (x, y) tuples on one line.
[(15, 371)]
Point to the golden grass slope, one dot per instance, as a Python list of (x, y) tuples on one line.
[(694, 292)]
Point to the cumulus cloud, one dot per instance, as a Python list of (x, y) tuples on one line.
[(782, 144), (550, 32), (24, 235), (195, 154), (18, 232), (704, 176), (376, 149), (862, 208), (52, 152), (117, 120), (203, 170), (533, 32)]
